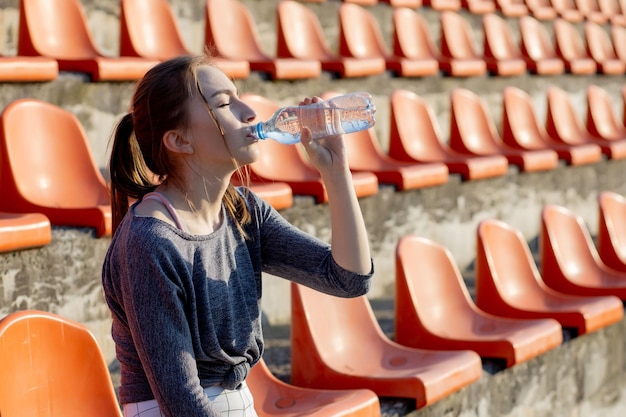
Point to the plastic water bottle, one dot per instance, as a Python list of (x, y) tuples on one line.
[(342, 114)]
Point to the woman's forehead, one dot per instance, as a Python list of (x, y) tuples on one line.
[(212, 80)]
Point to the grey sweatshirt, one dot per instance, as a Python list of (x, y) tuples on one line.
[(186, 309)]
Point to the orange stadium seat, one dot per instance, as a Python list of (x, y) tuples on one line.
[(512, 8), (567, 10), (613, 11), (541, 9), (521, 129), (412, 42), (149, 29), (415, 136), (365, 155), (537, 48), (28, 69), (600, 48), (570, 262), (23, 231), (273, 397), (414, 52), (472, 131), (570, 47), (360, 37), (459, 56), (284, 163), (618, 39), (434, 310), (590, 9), (501, 53), (300, 35), (351, 351), (244, 44), (611, 241), (58, 29), (53, 367), (479, 6), (508, 284), (565, 125), (601, 118), (46, 166)]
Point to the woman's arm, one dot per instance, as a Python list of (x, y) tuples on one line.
[(350, 245)]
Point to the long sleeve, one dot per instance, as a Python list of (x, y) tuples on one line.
[(154, 296), (290, 253)]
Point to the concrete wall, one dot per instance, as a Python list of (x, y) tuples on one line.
[(64, 277)]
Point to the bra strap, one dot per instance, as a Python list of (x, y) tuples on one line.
[(155, 195)]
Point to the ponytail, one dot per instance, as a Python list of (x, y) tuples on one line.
[(130, 177)]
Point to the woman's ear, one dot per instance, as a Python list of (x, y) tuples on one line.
[(174, 141)]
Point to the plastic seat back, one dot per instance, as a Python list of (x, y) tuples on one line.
[(52, 367), (46, 166), (537, 48), (55, 29), (335, 346), (506, 272), (563, 123), (471, 129), (300, 33), (149, 29), (411, 36), (457, 37), (244, 43), (618, 39), (415, 134), (459, 56), (601, 119), (611, 240), (520, 127), (273, 397), (570, 47), (501, 52), (600, 48), (566, 246), (429, 289), (359, 33)]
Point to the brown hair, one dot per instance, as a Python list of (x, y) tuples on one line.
[(138, 161)]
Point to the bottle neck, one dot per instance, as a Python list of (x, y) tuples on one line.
[(259, 131)]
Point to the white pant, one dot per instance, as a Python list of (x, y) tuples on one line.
[(230, 403)]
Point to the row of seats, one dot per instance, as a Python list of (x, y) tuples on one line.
[(520, 311), (149, 33), (599, 11), (441, 333), (46, 165)]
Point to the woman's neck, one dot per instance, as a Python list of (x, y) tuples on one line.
[(199, 206)]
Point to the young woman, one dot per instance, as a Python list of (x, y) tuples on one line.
[(182, 276)]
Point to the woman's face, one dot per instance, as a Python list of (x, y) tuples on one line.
[(224, 135)]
